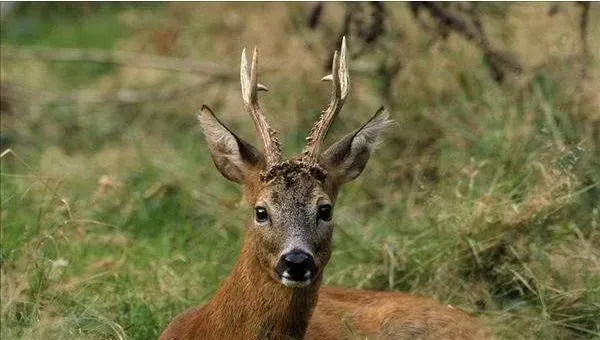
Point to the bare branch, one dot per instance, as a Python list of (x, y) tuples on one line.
[(472, 30), (583, 28), (465, 28), (120, 58)]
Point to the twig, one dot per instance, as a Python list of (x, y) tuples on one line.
[(469, 31), (472, 30), (121, 58), (314, 18), (121, 96), (124, 96), (583, 28)]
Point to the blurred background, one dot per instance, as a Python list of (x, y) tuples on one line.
[(484, 194)]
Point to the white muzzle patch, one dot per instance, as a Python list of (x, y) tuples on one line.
[(288, 282)]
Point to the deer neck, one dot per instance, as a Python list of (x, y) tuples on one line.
[(251, 305)]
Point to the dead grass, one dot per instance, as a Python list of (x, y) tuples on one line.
[(113, 218)]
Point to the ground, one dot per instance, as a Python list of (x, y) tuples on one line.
[(483, 194)]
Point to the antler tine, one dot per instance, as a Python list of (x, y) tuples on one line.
[(339, 91), (250, 86)]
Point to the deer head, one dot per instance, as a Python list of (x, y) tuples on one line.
[(293, 200)]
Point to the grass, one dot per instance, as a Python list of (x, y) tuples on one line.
[(483, 195)]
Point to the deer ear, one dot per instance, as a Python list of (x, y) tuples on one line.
[(234, 157), (347, 158)]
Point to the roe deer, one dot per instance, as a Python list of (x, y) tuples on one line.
[(274, 290)]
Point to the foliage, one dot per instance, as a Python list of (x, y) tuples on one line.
[(483, 195)]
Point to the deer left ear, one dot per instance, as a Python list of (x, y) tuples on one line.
[(234, 157), (346, 159)]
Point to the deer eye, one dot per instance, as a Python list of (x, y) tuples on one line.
[(325, 212), (261, 214)]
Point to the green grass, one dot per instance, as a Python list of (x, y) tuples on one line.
[(114, 220), (67, 26)]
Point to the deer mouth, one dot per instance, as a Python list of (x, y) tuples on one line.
[(291, 281)]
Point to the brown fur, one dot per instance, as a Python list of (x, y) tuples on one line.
[(248, 306), (258, 301), (268, 310), (251, 304)]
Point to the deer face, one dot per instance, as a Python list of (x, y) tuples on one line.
[(292, 225), (292, 200)]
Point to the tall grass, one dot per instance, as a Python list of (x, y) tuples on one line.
[(482, 195)]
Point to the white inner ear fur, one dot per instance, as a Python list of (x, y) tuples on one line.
[(365, 141), (219, 138), (369, 135)]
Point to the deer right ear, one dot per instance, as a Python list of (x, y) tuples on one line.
[(234, 157), (347, 158)]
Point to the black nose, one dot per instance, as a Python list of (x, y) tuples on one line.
[(296, 265), (296, 258)]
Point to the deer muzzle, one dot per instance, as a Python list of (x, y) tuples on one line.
[(296, 269)]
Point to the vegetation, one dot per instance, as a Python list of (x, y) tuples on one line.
[(484, 195)]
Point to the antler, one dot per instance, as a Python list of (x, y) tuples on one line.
[(339, 91), (250, 87)]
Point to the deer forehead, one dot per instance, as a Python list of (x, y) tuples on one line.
[(293, 191)]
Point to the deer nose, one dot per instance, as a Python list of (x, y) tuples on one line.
[(296, 267)]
